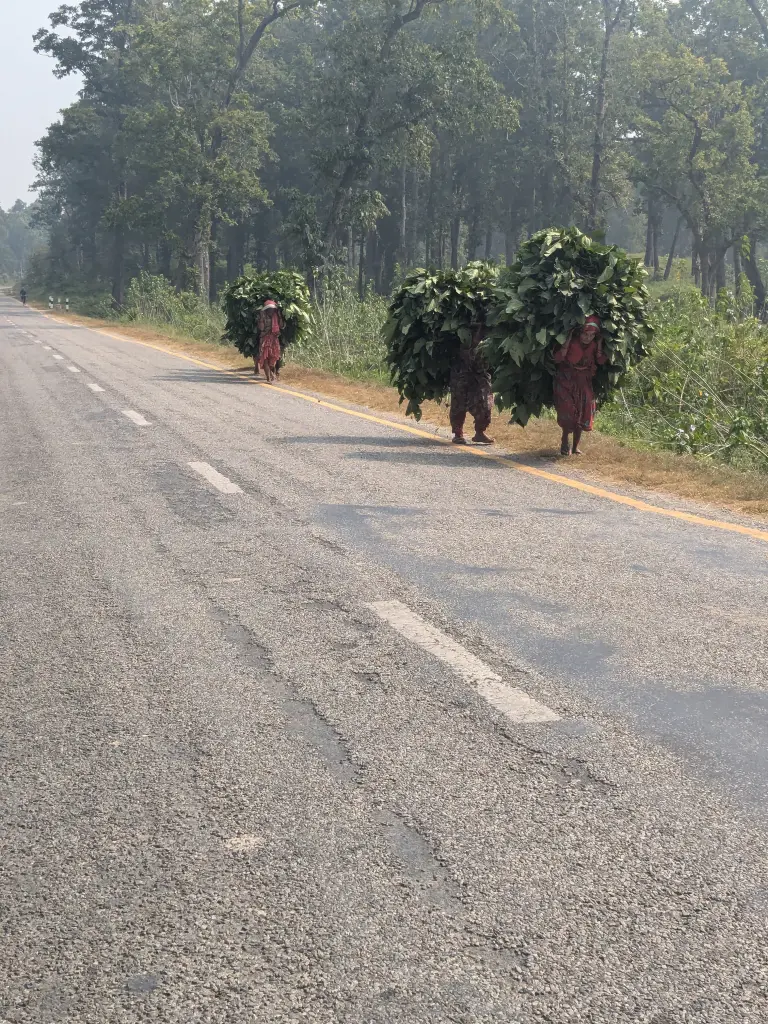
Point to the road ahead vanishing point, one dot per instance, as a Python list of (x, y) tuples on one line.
[(308, 717)]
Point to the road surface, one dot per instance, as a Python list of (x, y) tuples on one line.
[(304, 717)]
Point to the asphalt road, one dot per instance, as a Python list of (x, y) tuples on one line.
[(306, 718)]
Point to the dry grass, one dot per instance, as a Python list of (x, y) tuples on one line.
[(605, 458)]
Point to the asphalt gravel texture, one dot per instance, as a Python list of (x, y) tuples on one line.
[(229, 792)]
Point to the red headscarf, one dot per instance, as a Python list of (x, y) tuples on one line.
[(592, 321), (270, 309)]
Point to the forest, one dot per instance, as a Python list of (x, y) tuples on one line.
[(355, 139)]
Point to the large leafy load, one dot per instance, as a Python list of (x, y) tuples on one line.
[(430, 316), (559, 278), (245, 297)]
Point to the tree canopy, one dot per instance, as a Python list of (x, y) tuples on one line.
[(366, 137)]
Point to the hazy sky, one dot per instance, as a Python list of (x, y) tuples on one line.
[(31, 96)]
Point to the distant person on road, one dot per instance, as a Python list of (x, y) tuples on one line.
[(23, 295), (577, 361), (270, 324), (471, 391)]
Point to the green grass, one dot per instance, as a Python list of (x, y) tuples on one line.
[(703, 390), (346, 338)]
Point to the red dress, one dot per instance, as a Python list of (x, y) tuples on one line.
[(269, 337), (574, 395)]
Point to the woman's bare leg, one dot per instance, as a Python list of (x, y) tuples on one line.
[(565, 447), (576, 440)]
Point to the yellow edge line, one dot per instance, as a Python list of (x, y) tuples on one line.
[(564, 481)]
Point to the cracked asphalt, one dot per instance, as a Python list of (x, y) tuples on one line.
[(231, 793)]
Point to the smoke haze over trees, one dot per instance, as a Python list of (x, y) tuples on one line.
[(362, 137)]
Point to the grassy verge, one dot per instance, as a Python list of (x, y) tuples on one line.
[(352, 379)]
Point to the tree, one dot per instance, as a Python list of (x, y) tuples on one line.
[(700, 151)]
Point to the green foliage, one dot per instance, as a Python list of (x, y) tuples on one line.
[(245, 297), (346, 338), (152, 299), (559, 278), (431, 315), (703, 390)]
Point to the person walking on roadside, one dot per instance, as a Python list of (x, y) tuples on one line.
[(23, 296), (270, 324), (471, 390), (577, 361)]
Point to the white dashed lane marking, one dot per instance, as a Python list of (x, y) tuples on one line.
[(55, 356), (47, 348), (73, 369), (509, 700), (136, 418), (221, 483), (92, 386)]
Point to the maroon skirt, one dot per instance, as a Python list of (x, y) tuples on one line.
[(269, 350), (574, 398)]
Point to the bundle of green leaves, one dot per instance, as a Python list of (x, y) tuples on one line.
[(558, 279), (245, 297), (431, 315)]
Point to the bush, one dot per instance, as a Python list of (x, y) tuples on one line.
[(153, 300), (346, 338), (703, 389)]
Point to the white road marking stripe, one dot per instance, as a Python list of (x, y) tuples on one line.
[(92, 386), (47, 348), (510, 700), (73, 369), (57, 356), (137, 418), (220, 482)]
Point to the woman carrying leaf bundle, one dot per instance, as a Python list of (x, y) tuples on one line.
[(270, 324), (471, 390), (577, 361)]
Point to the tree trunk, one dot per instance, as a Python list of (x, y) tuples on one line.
[(721, 282), (752, 270), (350, 254), (509, 246), (670, 258), (412, 257), (118, 267), (648, 260), (737, 268), (473, 234), (429, 234), (455, 234), (598, 142), (202, 255), (706, 286), (488, 242), (361, 270), (212, 266), (655, 240), (401, 256)]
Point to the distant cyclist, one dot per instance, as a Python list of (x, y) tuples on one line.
[(23, 296)]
